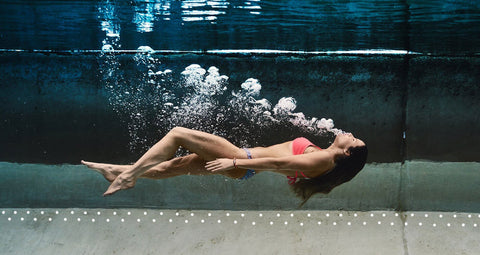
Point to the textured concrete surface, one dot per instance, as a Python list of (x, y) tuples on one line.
[(413, 186), (149, 231)]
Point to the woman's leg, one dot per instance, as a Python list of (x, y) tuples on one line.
[(187, 165), (206, 146)]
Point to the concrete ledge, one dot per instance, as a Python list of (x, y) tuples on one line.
[(149, 231), (415, 185)]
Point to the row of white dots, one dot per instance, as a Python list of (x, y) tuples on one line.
[(253, 222), (243, 215)]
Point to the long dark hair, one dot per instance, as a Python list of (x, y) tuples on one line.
[(345, 169)]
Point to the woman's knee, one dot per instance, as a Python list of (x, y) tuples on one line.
[(179, 132)]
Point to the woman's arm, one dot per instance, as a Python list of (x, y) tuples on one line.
[(308, 163)]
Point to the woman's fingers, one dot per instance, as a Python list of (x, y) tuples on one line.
[(212, 165), (219, 165)]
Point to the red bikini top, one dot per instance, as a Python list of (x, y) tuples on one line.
[(299, 145)]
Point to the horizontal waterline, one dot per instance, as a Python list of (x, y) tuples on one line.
[(225, 52)]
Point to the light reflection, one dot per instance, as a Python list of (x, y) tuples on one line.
[(147, 12), (108, 20)]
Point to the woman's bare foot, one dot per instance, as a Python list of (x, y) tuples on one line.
[(123, 181), (109, 171)]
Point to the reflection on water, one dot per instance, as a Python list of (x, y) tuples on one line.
[(432, 26), (146, 13)]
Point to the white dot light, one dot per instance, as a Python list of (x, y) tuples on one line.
[(278, 214), (72, 212), (138, 220), (475, 225), (186, 221), (42, 212), (391, 223), (21, 219), (328, 214), (154, 220), (15, 212), (463, 225), (161, 213), (114, 213), (253, 223), (291, 214), (64, 219), (28, 212), (192, 214), (228, 214), (440, 216), (364, 223), (420, 224), (271, 222), (434, 224), (78, 219), (170, 220), (379, 223), (145, 213), (219, 221), (9, 219), (261, 215), (93, 220), (469, 216), (234, 222), (334, 223), (243, 215), (426, 215), (98, 213), (341, 215), (355, 215), (412, 214), (85, 212), (176, 214), (349, 223), (107, 220), (56, 212), (396, 214), (202, 221), (308, 215), (34, 219), (384, 215), (319, 223), (49, 219), (286, 222), (128, 213), (371, 215), (122, 220), (209, 214), (3, 212), (448, 225), (406, 223), (301, 224), (454, 216)]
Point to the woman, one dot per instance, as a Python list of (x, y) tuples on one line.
[(319, 170)]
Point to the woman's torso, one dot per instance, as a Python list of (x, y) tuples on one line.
[(280, 150)]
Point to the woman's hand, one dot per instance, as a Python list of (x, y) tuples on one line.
[(221, 164)]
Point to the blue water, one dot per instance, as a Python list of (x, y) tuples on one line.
[(104, 80), (438, 27), (401, 74)]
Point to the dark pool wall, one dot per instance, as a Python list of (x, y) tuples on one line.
[(55, 108)]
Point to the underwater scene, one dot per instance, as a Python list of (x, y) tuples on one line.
[(105, 80)]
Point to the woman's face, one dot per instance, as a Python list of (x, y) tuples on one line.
[(347, 141)]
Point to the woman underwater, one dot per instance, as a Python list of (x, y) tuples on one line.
[(317, 170)]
